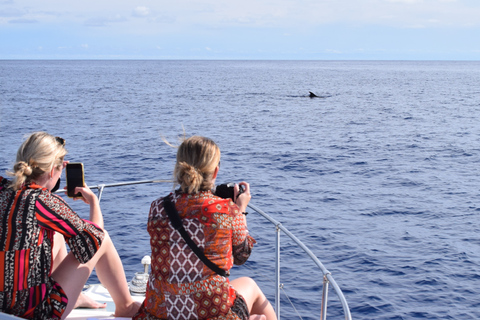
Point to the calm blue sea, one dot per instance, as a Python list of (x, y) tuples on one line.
[(379, 177)]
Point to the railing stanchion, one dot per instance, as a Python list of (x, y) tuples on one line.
[(277, 272), (100, 191), (323, 314)]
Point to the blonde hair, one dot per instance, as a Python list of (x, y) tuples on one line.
[(197, 158), (38, 154)]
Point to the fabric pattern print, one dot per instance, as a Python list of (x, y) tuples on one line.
[(29, 219), (180, 286)]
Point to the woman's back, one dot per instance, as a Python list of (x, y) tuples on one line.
[(179, 281), (25, 253)]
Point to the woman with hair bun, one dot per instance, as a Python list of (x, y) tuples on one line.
[(38, 279), (182, 283)]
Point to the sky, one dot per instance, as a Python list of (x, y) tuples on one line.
[(241, 29)]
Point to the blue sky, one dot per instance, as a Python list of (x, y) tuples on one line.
[(241, 29)]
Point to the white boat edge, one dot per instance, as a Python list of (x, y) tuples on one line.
[(100, 294)]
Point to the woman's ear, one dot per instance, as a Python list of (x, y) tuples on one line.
[(215, 173)]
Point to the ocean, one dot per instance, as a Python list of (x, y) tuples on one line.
[(379, 176)]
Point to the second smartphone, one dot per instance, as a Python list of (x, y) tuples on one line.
[(75, 178)]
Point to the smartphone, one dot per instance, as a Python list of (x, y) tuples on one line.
[(75, 178)]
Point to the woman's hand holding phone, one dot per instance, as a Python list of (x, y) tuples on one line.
[(87, 195), (78, 190)]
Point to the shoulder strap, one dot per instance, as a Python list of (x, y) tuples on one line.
[(178, 225)]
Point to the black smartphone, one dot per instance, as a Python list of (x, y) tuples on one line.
[(75, 178)]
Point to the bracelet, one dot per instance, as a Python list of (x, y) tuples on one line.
[(244, 213)]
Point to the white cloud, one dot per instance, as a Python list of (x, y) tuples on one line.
[(192, 15), (141, 12), (332, 51)]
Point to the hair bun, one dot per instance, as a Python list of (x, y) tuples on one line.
[(191, 177), (23, 168)]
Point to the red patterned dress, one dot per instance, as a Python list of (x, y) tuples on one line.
[(180, 285), (29, 219)]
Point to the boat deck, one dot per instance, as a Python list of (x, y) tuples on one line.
[(99, 294)]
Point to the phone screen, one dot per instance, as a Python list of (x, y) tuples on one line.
[(74, 175)]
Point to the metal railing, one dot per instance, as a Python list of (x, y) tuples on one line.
[(327, 276)]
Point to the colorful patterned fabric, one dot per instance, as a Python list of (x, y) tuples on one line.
[(29, 219), (180, 285)]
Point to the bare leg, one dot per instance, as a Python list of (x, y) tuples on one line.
[(59, 250), (59, 253), (111, 274), (257, 303), (107, 261)]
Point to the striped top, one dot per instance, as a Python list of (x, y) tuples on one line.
[(29, 219)]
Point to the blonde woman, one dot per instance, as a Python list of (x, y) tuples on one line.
[(181, 284), (38, 279)]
